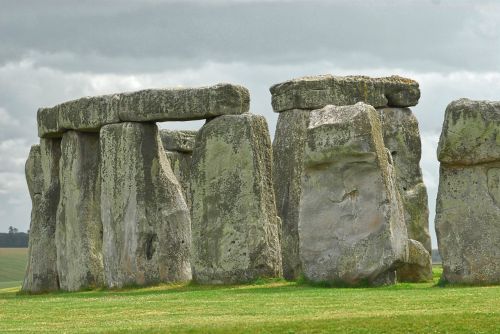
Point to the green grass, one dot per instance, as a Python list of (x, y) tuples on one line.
[(266, 307), (12, 266)]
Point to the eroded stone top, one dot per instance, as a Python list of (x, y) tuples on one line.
[(179, 141), (471, 132), (314, 92), (150, 105)]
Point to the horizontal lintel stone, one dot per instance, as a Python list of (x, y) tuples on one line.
[(89, 114), (315, 92)]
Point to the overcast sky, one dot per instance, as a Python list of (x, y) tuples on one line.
[(52, 51)]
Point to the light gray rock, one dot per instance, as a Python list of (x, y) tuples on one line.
[(467, 223), (48, 123), (178, 141), (147, 233), (42, 175), (182, 104), (318, 91), (351, 226), (235, 226), (87, 114), (468, 201), (179, 146), (418, 267), (288, 160), (471, 133), (402, 138), (79, 227), (181, 166)]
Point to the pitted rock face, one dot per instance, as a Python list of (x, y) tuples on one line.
[(235, 226), (89, 114), (468, 210), (42, 174), (319, 91), (418, 267), (183, 103), (351, 227), (79, 227), (402, 138), (178, 141), (147, 233), (179, 146), (467, 223), (471, 133), (288, 160), (86, 114)]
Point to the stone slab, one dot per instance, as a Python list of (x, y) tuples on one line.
[(146, 222), (79, 227), (315, 92), (236, 230)]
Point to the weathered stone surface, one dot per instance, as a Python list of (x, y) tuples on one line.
[(85, 114), (235, 226), (288, 159), (402, 138), (79, 227), (351, 225), (42, 174), (468, 202), (147, 233), (183, 103), (418, 267), (179, 145), (178, 141), (471, 132), (48, 123), (467, 223), (318, 91), (181, 166)]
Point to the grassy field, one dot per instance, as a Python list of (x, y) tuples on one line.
[(12, 266), (269, 307)]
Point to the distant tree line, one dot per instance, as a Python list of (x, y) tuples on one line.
[(14, 239)]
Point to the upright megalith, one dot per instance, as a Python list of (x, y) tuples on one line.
[(235, 225), (294, 100), (42, 175), (402, 138), (468, 203), (179, 147), (79, 227), (351, 227), (147, 233)]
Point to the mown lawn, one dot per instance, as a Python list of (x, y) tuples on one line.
[(271, 307), (12, 266)]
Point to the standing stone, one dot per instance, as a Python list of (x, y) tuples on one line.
[(179, 147), (79, 227), (147, 233), (351, 226), (418, 266), (293, 100), (402, 138), (468, 202), (288, 160), (235, 226), (42, 174)]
